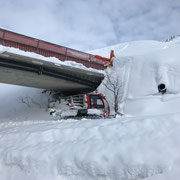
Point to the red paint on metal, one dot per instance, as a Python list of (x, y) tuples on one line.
[(109, 60), (96, 106), (102, 58), (1, 33), (51, 47), (97, 60), (25, 43), (51, 54), (112, 54), (20, 39), (77, 54)]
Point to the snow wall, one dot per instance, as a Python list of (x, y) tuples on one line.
[(143, 66)]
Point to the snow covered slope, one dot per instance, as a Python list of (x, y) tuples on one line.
[(135, 48)]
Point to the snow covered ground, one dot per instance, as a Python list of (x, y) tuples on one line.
[(144, 144), (115, 149)]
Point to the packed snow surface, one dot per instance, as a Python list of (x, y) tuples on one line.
[(114, 149), (142, 144)]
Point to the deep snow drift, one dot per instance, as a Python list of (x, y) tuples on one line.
[(144, 146), (115, 149)]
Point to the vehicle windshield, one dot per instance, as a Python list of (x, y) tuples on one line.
[(96, 102)]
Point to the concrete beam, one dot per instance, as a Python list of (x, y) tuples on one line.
[(32, 72)]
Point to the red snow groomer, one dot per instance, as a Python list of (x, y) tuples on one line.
[(99, 102), (80, 106)]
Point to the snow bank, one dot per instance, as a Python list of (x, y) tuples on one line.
[(121, 69), (146, 64), (115, 149), (174, 175), (147, 72)]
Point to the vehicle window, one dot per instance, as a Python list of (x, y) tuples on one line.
[(96, 102)]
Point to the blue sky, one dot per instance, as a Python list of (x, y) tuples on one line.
[(91, 24)]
